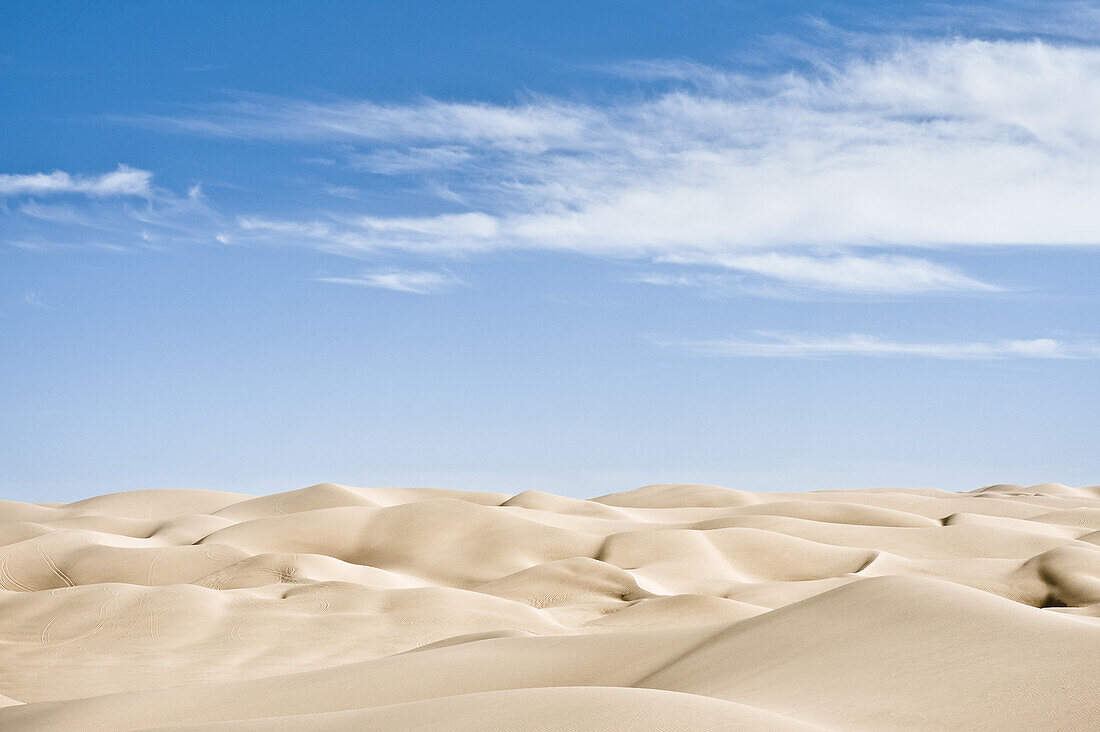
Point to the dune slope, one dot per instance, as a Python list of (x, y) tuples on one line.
[(668, 607)]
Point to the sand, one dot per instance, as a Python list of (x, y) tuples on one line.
[(672, 607)]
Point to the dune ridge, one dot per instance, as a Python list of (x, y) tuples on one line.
[(666, 607)]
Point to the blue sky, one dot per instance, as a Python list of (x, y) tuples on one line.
[(576, 247)]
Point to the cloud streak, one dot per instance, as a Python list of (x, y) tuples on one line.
[(797, 177), (124, 181), (416, 282), (34, 299), (766, 344), (859, 172), (847, 273)]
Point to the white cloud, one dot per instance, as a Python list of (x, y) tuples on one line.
[(310, 229), (474, 225), (1066, 19), (348, 192), (786, 345), (413, 159), (928, 144), (125, 181), (529, 127), (412, 281), (101, 214), (666, 69), (847, 273), (680, 280), (61, 214)]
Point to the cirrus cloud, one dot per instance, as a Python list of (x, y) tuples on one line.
[(770, 344), (124, 181), (416, 282), (795, 177), (856, 173)]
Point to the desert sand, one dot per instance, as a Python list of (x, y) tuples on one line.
[(671, 607)]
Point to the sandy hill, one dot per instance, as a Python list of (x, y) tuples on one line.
[(671, 607)]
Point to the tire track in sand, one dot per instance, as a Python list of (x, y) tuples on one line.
[(53, 566), (6, 576)]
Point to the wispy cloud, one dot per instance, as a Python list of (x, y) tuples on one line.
[(413, 281), (124, 181), (1064, 20), (412, 160), (33, 298), (766, 344), (253, 116), (120, 211), (855, 173), (847, 273), (792, 177)]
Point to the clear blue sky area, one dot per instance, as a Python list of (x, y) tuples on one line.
[(577, 247)]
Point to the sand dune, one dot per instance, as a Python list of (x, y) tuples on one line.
[(666, 608)]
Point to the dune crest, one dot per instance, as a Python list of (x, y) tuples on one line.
[(667, 607)]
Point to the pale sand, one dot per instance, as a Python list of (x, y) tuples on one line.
[(673, 607)]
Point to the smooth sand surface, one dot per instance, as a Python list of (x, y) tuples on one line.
[(671, 607)]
